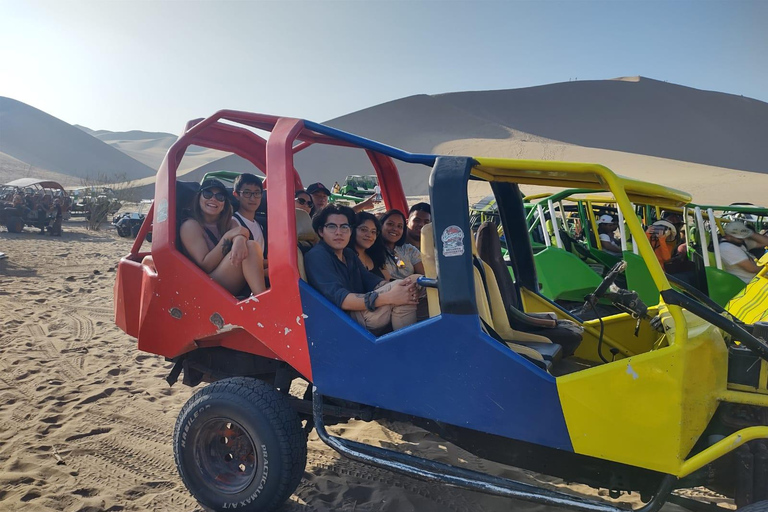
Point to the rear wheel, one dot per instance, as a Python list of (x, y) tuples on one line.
[(14, 224), (238, 443)]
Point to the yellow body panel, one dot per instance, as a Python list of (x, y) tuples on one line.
[(751, 304), (647, 410), (615, 328)]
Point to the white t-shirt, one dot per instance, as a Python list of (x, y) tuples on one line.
[(732, 255), (253, 227)]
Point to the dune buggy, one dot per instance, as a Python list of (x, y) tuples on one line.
[(652, 400), (128, 224), (36, 210)]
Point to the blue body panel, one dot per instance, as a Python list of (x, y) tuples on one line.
[(444, 369), (413, 158)]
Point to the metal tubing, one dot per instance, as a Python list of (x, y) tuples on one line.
[(702, 236), (553, 218), (622, 230), (713, 229), (543, 225), (433, 471)]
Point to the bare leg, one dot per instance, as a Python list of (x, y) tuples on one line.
[(253, 268), (251, 271)]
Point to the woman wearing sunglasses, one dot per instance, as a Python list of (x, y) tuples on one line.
[(304, 201), (219, 245)]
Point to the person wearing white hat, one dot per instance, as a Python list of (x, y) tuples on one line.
[(606, 228), (733, 250)]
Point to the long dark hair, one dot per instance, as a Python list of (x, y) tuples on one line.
[(390, 213), (222, 223), (377, 252)]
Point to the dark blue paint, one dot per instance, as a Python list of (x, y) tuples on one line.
[(413, 158), (444, 368)]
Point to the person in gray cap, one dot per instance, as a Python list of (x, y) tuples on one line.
[(733, 250)]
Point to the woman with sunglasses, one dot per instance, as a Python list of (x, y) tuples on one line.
[(304, 201), (219, 245), (365, 240)]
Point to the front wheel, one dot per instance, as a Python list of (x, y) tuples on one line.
[(15, 225), (238, 443)]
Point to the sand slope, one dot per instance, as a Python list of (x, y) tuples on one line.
[(150, 148), (41, 140)]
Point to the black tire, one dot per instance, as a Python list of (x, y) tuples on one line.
[(238, 443), (14, 224), (149, 237), (758, 506)]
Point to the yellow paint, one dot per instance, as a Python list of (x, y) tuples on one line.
[(615, 331), (647, 410), (751, 304), (721, 448)]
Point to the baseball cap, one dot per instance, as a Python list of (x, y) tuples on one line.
[(212, 183), (737, 229), (315, 187), (605, 219)]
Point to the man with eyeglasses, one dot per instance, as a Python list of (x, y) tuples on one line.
[(335, 270), (248, 191)]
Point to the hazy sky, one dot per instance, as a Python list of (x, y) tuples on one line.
[(154, 65)]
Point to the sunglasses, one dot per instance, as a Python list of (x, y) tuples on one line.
[(303, 202), (219, 196)]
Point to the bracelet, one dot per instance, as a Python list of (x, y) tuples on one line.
[(370, 300)]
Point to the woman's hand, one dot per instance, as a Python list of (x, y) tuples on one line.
[(239, 250), (239, 230)]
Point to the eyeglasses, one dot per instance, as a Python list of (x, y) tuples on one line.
[(303, 202), (344, 228), (367, 231), (248, 194), (220, 196)]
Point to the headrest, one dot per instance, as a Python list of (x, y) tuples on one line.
[(304, 231), (488, 243), (427, 240)]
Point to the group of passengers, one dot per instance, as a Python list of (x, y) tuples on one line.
[(738, 245), (44, 205), (366, 265)]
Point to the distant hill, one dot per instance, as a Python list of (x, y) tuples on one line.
[(150, 148), (634, 115), (40, 140)]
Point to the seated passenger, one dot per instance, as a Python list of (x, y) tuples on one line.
[(334, 270), (304, 201), (320, 195), (403, 259), (606, 228), (218, 244), (366, 241), (419, 215), (248, 191), (733, 250)]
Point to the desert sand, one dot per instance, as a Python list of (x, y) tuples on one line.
[(86, 419)]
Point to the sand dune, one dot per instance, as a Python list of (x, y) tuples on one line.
[(150, 148), (40, 140)]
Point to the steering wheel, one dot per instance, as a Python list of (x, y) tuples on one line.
[(610, 278)]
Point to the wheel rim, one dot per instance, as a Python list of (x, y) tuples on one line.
[(226, 455)]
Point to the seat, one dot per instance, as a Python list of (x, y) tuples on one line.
[(563, 332), (536, 348), (306, 238)]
